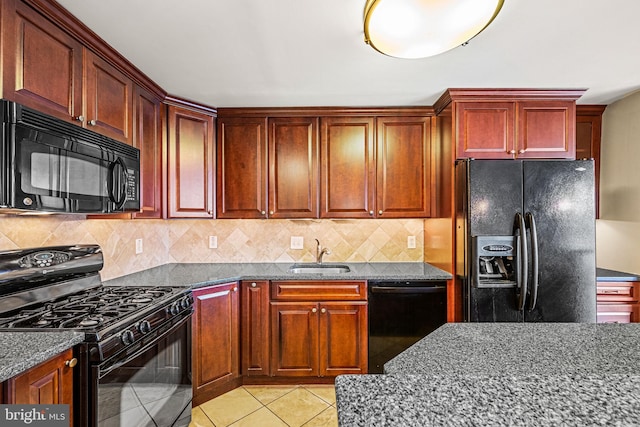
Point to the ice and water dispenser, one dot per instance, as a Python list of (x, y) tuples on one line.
[(495, 264)]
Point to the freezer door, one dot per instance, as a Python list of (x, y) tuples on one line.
[(494, 197), (559, 200)]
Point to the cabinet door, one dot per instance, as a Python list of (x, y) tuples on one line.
[(242, 168), (343, 338), (190, 164), (215, 338), (255, 327), (49, 383), (293, 168), (404, 167), (148, 139), (485, 130), (588, 139), (109, 99), (546, 129), (42, 64), (348, 169), (294, 339)]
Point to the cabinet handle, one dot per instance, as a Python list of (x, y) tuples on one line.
[(314, 310), (79, 118), (92, 122), (71, 362), (380, 212), (324, 310), (253, 284), (262, 212), (270, 212), (371, 213), (521, 151), (512, 152), (235, 289)]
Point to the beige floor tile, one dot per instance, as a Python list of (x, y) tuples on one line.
[(298, 407), (199, 419), (326, 418), (230, 407), (267, 394), (324, 392), (262, 417)]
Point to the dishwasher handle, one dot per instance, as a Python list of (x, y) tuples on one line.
[(381, 289)]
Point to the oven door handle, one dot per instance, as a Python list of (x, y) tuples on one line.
[(407, 289), (106, 368), (119, 202)]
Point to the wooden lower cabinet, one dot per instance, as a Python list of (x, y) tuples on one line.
[(50, 382), (255, 328), (618, 302), (215, 340), (318, 338)]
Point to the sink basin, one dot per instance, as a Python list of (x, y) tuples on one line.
[(319, 269)]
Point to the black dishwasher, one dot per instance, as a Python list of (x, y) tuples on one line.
[(400, 314)]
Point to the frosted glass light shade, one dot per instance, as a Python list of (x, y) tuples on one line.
[(423, 28)]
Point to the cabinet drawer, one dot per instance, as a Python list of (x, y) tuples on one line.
[(618, 313), (617, 291), (317, 290)]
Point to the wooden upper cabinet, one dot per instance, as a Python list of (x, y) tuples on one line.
[(42, 64), (293, 167), (588, 138), (109, 99), (190, 163), (148, 139), (403, 167), (348, 167), (242, 168), (513, 123)]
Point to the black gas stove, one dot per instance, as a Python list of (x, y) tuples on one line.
[(128, 330)]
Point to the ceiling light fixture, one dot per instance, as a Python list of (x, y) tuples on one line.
[(422, 28)]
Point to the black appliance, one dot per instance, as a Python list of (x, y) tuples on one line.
[(400, 314), (134, 366), (49, 165), (526, 239)]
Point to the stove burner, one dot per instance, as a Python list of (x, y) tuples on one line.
[(140, 300), (42, 322), (89, 322)]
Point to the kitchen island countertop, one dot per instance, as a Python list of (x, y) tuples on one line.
[(202, 274), (20, 351), (503, 374)]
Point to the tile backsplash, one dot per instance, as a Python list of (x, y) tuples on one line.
[(187, 241)]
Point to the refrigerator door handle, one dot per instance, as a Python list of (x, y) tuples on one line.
[(523, 273), (531, 225)]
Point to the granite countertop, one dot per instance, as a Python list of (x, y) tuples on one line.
[(605, 275), (198, 275), (20, 351), (503, 374)]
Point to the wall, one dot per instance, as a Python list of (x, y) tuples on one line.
[(238, 240), (618, 230)]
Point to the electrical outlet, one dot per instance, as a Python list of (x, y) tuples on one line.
[(138, 246), (411, 242), (297, 242), (213, 242)]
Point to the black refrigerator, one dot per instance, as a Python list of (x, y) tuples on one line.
[(525, 236)]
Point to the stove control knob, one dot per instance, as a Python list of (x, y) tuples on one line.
[(144, 327), (174, 308), (126, 337), (185, 303)]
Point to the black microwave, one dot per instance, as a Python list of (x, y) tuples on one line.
[(49, 165)]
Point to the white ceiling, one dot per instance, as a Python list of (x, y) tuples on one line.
[(269, 53)]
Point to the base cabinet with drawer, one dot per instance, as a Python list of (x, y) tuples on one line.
[(318, 329), (618, 302)]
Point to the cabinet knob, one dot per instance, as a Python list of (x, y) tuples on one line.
[(92, 122), (262, 212), (371, 213), (521, 151), (380, 212), (71, 362), (512, 152), (270, 212), (253, 284), (324, 310), (235, 289), (314, 310), (79, 118)]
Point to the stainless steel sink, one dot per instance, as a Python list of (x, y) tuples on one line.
[(319, 269)]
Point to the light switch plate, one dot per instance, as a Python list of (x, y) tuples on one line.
[(297, 242), (411, 242), (213, 242), (138, 246)]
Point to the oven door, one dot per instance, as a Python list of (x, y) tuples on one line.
[(67, 175), (149, 387)]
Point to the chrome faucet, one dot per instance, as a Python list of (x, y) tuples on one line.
[(320, 252)]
